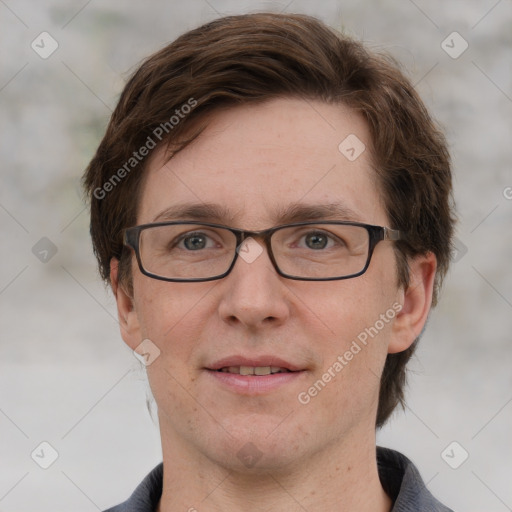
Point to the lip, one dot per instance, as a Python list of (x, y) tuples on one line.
[(254, 384), (264, 360)]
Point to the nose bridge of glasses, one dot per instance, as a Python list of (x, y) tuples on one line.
[(249, 246), (263, 235)]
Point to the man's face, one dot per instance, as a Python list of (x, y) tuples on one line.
[(255, 161)]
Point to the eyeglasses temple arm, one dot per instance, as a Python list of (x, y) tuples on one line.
[(393, 234)]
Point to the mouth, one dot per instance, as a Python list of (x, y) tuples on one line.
[(254, 376), (253, 370)]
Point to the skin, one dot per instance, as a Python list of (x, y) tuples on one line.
[(320, 456)]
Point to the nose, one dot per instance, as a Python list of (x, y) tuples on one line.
[(253, 294)]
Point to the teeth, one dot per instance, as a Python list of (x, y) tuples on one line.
[(262, 370), (246, 370), (253, 370)]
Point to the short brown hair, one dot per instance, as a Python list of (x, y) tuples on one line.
[(257, 57)]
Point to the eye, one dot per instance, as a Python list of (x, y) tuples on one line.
[(318, 240), (195, 241)]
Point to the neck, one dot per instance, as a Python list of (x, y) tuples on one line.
[(341, 479)]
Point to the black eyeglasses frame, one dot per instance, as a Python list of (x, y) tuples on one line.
[(131, 238)]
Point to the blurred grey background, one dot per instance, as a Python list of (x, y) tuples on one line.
[(66, 377)]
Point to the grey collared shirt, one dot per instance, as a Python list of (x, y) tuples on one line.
[(398, 475)]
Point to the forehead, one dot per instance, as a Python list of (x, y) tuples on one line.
[(261, 164)]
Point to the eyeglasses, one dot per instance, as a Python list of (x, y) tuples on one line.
[(306, 251)]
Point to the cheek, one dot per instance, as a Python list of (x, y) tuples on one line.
[(346, 309), (165, 307), (345, 389), (172, 317), (356, 317)]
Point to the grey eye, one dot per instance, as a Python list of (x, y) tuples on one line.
[(316, 241), (194, 242)]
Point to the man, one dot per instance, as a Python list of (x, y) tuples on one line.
[(271, 205)]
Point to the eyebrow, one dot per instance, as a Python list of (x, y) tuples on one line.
[(294, 212)]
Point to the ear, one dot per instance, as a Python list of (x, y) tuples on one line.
[(416, 300), (126, 313)]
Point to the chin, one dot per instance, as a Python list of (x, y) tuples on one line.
[(253, 459), (257, 446)]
